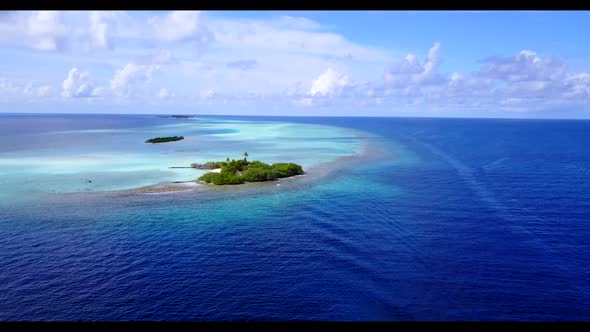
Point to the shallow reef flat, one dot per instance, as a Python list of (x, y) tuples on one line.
[(110, 159)]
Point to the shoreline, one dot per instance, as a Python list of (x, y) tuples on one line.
[(311, 175)]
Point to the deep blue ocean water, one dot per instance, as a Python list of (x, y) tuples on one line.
[(450, 219)]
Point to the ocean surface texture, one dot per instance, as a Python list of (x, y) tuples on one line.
[(396, 219)]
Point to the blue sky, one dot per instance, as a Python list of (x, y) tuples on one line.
[(360, 63)]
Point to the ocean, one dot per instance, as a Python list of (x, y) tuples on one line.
[(396, 219)]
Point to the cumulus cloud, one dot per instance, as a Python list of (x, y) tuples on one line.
[(44, 91), (36, 91), (524, 66), (296, 61), (19, 89), (59, 31), (432, 62), (468, 85), (528, 77), (182, 26), (131, 74), (329, 83), (99, 29), (46, 30), (578, 86), (9, 88), (242, 64), (76, 85), (128, 80), (410, 71), (524, 81)]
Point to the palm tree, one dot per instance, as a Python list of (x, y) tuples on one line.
[(227, 159), (245, 155)]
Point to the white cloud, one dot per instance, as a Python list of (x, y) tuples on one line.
[(45, 30), (579, 86), (524, 66), (525, 81), (60, 30), (131, 74), (76, 85), (9, 88), (298, 23), (279, 39), (329, 83), (35, 91), (284, 59), (23, 90), (468, 85), (536, 81), (271, 54), (432, 62), (100, 23), (44, 91), (410, 71), (182, 26)]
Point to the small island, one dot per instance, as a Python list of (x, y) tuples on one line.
[(241, 171), (183, 116), (164, 139)]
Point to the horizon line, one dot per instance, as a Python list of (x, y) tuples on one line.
[(305, 116)]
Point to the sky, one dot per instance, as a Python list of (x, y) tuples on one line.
[(532, 64)]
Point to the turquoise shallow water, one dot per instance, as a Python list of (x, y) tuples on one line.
[(397, 219), (61, 161)]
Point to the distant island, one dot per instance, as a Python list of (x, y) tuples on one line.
[(165, 139), (241, 171), (176, 116), (183, 116)]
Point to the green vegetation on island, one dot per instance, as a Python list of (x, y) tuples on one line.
[(241, 171), (165, 139)]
